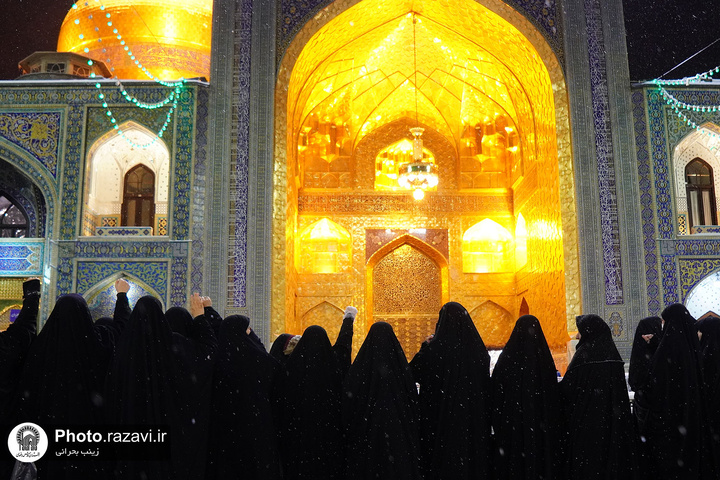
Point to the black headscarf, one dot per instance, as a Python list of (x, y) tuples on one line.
[(64, 376), (600, 441), (242, 434), (710, 355), (453, 371), (307, 398), (527, 416), (671, 405), (642, 350), (178, 318), (379, 411), (278, 347)]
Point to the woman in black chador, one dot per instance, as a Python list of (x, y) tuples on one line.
[(600, 438), (14, 345), (307, 398), (527, 418), (380, 411), (156, 378), (709, 332), (64, 376), (242, 442), (671, 411), (647, 338), (453, 370)]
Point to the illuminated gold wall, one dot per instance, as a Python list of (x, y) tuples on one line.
[(172, 37), (348, 88)]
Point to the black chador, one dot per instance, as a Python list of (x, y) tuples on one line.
[(307, 398), (600, 438), (453, 371), (242, 441), (155, 379), (380, 411), (64, 377), (670, 407), (527, 415), (647, 338), (709, 328), (14, 345)]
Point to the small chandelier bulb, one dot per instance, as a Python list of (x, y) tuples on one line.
[(418, 194)]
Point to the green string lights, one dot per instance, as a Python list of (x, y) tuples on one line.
[(172, 98), (681, 107)]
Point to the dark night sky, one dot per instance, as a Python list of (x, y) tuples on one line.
[(661, 34)]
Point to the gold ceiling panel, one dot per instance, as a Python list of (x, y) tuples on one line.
[(459, 64)]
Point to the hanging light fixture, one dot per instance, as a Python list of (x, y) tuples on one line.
[(418, 175)]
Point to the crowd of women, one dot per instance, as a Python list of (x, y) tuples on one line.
[(306, 411)]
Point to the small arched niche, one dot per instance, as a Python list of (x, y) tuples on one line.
[(117, 193), (494, 324), (487, 248), (324, 247)]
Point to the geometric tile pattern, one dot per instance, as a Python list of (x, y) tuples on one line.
[(647, 212)]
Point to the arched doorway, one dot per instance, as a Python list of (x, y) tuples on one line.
[(491, 97)]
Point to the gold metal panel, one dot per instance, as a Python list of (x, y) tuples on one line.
[(511, 47), (406, 281)]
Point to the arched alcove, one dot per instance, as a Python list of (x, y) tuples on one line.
[(695, 147), (101, 297), (110, 159), (327, 316), (488, 91)]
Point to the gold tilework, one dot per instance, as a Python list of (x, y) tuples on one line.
[(529, 88)]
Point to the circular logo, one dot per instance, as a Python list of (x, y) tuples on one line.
[(27, 442)]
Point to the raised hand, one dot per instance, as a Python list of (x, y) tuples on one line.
[(122, 286)]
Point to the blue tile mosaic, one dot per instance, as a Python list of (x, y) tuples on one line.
[(36, 132), (604, 152), (91, 273), (21, 257), (693, 271), (239, 191), (646, 202)]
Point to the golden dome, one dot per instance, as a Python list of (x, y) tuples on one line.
[(170, 38)]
